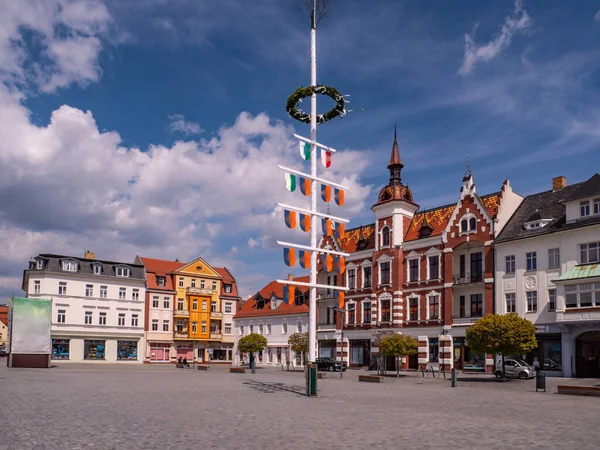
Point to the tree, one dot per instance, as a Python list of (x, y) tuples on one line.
[(398, 345), (299, 344), (502, 335), (251, 344)]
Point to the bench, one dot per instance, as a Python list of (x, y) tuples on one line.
[(370, 378), (203, 367), (592, 391), (237, 370)]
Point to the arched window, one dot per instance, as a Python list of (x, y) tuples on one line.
[(385, 237), (299, 298), (463, 225), (472, 223)]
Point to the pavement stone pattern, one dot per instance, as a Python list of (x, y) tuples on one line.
[(85, 406)]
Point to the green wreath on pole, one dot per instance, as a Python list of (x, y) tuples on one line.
[(305, 92)]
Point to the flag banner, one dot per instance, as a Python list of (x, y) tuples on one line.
[(305, 150), (327, 261), (304, 185), (290, 182), (326, 193), (340, 230), (290, 218), (288, 294), (339, 196), (289, 256), (305, 222), (339, 298), (304, 259), (325, 158), (340, 264), (327, 226)]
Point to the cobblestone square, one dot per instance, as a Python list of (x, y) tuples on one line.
[(161, 407)]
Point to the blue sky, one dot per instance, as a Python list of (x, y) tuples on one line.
[(155, 127)]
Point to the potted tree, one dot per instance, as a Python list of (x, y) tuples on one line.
[(251, 344), (398, 345)]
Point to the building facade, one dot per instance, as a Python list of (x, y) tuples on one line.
[(265, 313), (97, 306), (428, 274), (548, 271), (230, 303)]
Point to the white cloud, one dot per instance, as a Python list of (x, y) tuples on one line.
[(597, 16), (179, 124), (518, 21), (253, 243)]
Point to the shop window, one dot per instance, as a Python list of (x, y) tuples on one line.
[(60, 349), (547, 355), (127, 350), (93, 349), (434, 350)]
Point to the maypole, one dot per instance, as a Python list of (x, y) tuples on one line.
[(309, 219)]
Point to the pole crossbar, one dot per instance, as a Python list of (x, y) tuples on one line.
[(308, 141), (316, 213), (322, 286), (313, 178), (312, 249)]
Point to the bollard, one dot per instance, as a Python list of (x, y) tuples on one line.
[(453, 377)]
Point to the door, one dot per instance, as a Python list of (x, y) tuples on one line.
[(587, 355)]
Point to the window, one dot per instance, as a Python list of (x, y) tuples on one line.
[(553, 258), (413, 308), (413, 270), (385, 237), (584, 208), (165, 325), (194, 328), (476, 305), (351, 314), (284, 328), (228, 307), (434, 307), (127, 350), (510, 263), (134, 320), (261, 329), (597, 206), (102, 318), (179, 326), (36, 287), (195, 304), (367, 276), (531, 301), (268, 328), (461, 306), (135, 295), (179, 304), (193, 282), (510, 302), (60, 348), (532, 261), (213, 306), (204, 303), (69, 266), (97, 269), (551, 299), (122, 293), (228, 328), (40, 264), (241, 330), (201, 284), (366, 312), (93, 349), (166, 303), (386, 315), (352, 278), (464, 225), (89, 290), (203, 327), (590, 253), (251, 329), (121, 319), (62, 288), (180, 281), (88, 317), (585, 295), (299, 327), (476, 266), (462, 266), (103, 291), (155, 302), (434, 267), (62, 314), (122, 272), (472, 224), (214, 285), (154, 324), (160, 281), (227, 288)]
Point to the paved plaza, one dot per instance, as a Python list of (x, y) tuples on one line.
[(161, 407)]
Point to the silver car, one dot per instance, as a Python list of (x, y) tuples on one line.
[(515, 368)]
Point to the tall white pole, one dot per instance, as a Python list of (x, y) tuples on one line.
[(312, 311)]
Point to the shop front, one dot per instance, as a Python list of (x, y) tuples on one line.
[(327, 349), (548, 354), (360, 351), (160, 352), (219, 353), (60, 348), (94, 350), (466, 359), (127, 350), (184, 351)]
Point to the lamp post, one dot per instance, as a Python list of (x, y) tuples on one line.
[(194, 329), (342, 311)]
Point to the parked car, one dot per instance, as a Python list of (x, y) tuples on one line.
[(515, 368), (330, 364), (3, 352)]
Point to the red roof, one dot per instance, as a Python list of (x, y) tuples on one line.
[(276, 289), (227, 279), (352, 236), (160, 267)]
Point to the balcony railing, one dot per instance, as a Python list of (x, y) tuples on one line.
[(198, 291), (216, 335), (467, 278), (181, 334), (216, 315), (181, 313), (457, 320), (326, 326)]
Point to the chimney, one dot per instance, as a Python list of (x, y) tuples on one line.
[(89, 255), (559, 183), (290, 276)]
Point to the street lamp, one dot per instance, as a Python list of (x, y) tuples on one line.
[(194, 329), (342, 311)]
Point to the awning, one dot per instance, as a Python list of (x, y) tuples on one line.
[(580, 272)]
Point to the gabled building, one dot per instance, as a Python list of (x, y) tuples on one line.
[(230, 303), (548, 271), (265, 313), (428, 274)]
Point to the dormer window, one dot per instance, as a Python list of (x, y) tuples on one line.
[(39, 264), (385, 237), (160, 281), (584, 208), (227, 288), (69, 266), (122, 272), (298, 298), (468, 224), (97, 269), (260, 303), (597, 206)]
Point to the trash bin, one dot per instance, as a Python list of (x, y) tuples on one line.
[(540, 381)]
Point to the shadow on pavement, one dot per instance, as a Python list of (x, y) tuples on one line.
[(271, 388)]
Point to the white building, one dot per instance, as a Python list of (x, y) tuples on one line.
[(547, 271), (265, 313), (97, 306)]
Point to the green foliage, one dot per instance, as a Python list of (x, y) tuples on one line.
[(306, 92), (398, 345), (505, 335), (299, 342), (252, 343)]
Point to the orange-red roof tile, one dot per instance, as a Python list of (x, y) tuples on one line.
[(160, 267), (273, 288), (354, 235), (227, 279)]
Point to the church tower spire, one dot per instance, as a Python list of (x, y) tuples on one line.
[(395, 166)]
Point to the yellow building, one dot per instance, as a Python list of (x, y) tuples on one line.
[(3, 333), (197, 315)]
